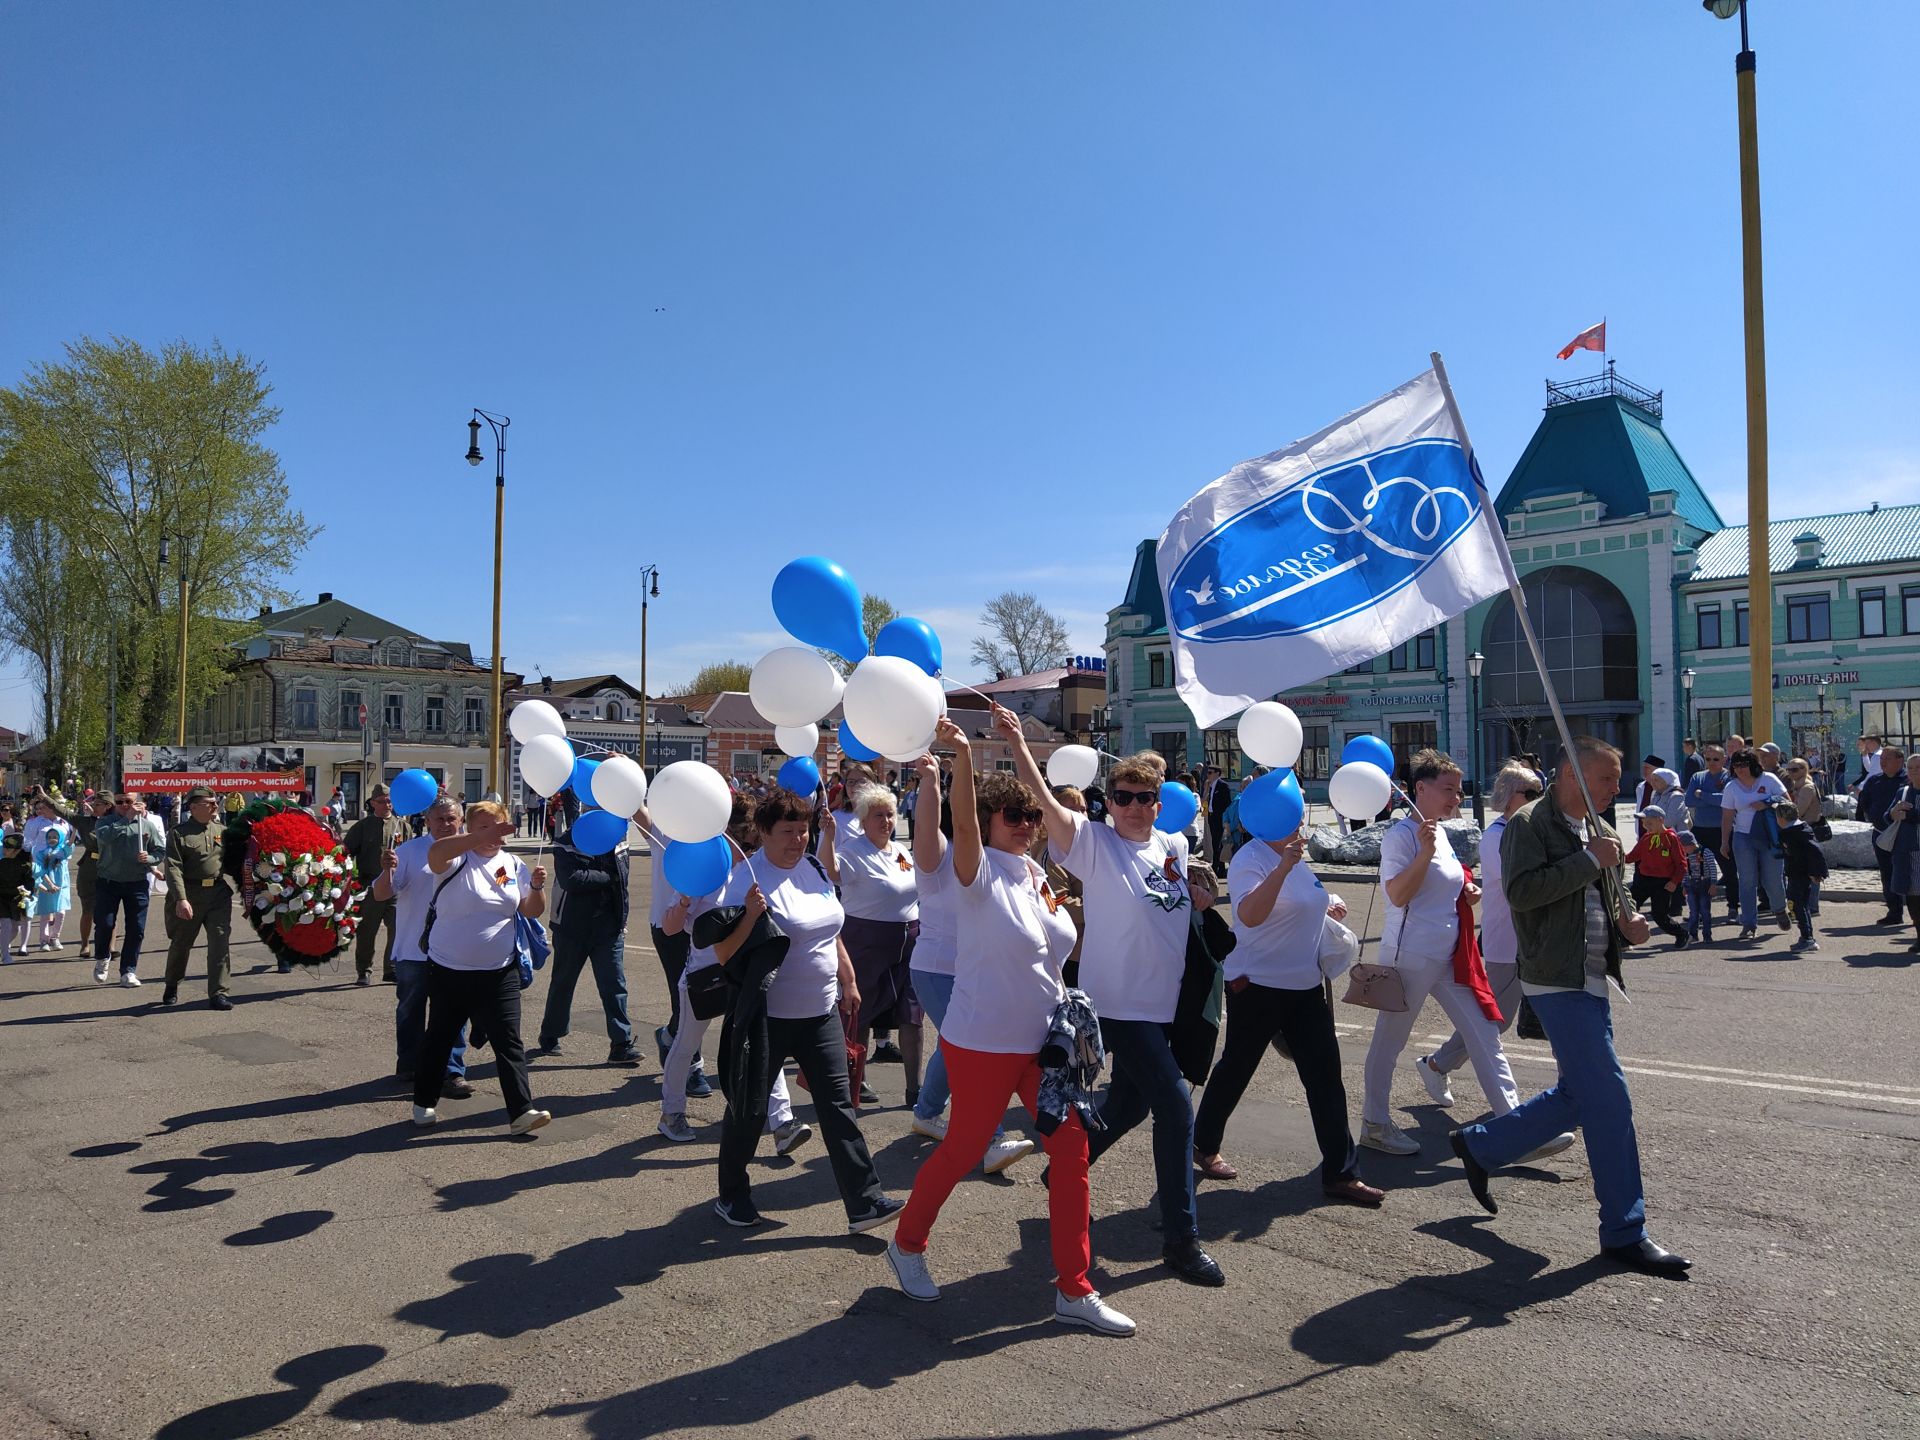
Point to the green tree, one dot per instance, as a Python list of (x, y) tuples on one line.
[(720, 675), (105, 456)]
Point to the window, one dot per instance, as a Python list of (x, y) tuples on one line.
[(1397, 658), (1157, 677), (259, 706), (1223, 751), (1809, 617), (470, 791), (1896, 722), (613, 711), (1423, 651), (436, 714), (1707, 627), (1739, 622), (393, 711), (1172, 748), (1365, 667), (1910, 609), (1873, 613), (476, 722), (350, 710), (746, 762), (1408, 738), (306, 709), (1314, 753), (1713, 726)]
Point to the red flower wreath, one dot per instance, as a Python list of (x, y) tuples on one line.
[(302, 890)]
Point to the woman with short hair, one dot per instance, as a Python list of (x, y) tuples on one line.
[(1424, 884), (1802, 790), (1750, 792), (882, 900)]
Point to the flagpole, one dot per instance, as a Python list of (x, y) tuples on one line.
[(1513, 585)]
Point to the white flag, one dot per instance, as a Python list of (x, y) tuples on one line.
[(1329, 552)]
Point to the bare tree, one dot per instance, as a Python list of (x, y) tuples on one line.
[(1022, 635)]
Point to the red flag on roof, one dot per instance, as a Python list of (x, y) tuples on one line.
[(1594, 337)]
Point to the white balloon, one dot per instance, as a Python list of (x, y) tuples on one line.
[(1075, 765), (797, 740), (1270, 735), (689, 802), (533, 718), (1360, 789), (620, 785), (892, 705), (546, 762), (792, 686)]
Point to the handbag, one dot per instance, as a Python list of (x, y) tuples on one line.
[(856, 1059), (1377, 987), (1339, 948), (1822, 829), (710, 992)]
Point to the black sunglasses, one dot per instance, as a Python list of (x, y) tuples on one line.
[(1121, 799), (1019, 815), (1533, 794)]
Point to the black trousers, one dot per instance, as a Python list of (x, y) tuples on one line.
[(673, 951), (1652, 890), (1884, 859), (1256, 1015), (487, 997), (819, 1046)]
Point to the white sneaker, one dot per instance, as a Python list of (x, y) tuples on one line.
[(100, 973), (422, 1116), (527, 1121), (791, 1136), (58, 945), (916, 1282), (1385, 1135), (676, 1128), (1005, 1153), (1562, 1141), (1091, 1311), (1435, 1081), (934, 1129), (129, 980)]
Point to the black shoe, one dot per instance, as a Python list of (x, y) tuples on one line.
[(913, 1096), (1191, 1263), (1892, 917), (1477, 1176), (456, 1087), (365, 977), (219, 1002), (285, 967), (886, 1053), (403, 1075), (624, 1055), (551, 1047), (1680, 941), (868, 1096), (387, 977), (884, 1209), (698, 1086), (663, 1038), (170, 995), (1648, 1258), (740, 1214)]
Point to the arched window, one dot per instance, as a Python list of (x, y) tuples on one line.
[(1586, 630), (614, 711)]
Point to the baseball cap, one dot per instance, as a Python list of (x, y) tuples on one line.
[(1687, 841), (1772, 747), (1659, 810)]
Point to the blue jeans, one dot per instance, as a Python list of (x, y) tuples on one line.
[(1592, 1094), (1757, 862), (1146, 1079), (410, 1019), (108, 898), (935, 993), (570, 956)]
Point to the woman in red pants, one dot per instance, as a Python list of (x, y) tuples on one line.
[(1013, 938)]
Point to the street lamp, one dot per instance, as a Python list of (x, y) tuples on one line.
[(180, 737), (498, 424), (649, 584), (1686, 705), (1759, 574), (1820, 689), (1476, 662)]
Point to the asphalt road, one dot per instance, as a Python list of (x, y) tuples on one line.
[(220, 1225)]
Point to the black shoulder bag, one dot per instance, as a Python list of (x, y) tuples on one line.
[(426, 929)]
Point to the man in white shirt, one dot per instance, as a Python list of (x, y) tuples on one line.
[(1138, 912), (405, 879)]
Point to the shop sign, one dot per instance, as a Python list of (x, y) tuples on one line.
[(1807, 682), (1404, 700)]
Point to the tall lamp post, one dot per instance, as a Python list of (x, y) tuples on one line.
[(498, 424), (1475, 663), (1759, 571), (180, 737), (649, 585), (1686, 703), (1821, 690)]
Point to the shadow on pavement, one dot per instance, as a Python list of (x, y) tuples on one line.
[(618, 1162), (306, 1376), (290, 1226), (178, 1187), (359, 1093), (419, 1402)]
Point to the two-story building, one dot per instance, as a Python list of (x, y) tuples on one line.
[(363, 696), (603, 714)]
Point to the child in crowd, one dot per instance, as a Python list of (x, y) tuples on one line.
[(1703, 873), (1806, 868), (1659, 869)]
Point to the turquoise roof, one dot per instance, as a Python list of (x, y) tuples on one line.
[(1143, 587), (1613, 450), (1886, 535)]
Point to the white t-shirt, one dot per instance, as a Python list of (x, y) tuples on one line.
[(939, 940), (803, 905), (1137, 916), (877, 884), (1738, 795), (1498, 944), (1005, 993), (1282, 951), (661, 894), (1429, 928), (846, 825), (412, 888), (473, 918)]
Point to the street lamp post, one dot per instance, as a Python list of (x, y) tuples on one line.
[(649, 584), (1821, 690), (180, 737), (498, 424), (1475, 663), (1759, 571), (1686, 690)]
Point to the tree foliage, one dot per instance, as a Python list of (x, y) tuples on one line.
[(104, 456), (1022, 635), (720, 675)]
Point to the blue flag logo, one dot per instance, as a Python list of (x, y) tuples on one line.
[(1330, 545)]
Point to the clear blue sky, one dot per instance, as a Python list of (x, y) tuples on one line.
[(965, 296)]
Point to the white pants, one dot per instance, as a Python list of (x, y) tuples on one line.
[(1505, 980), (686, 1045), (1423, 976)]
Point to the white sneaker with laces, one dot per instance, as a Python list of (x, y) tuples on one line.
[(129, 980), (934, 1129), (1004, 1153), (1385, 1135), (791, 1136), (676, 1128), (528, 1121), (1562, 1141), (423, 1117), (99, 973), (916, 1281), (1436, 1081), (1091, 1311)]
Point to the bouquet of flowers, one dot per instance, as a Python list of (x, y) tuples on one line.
[(296, 880)]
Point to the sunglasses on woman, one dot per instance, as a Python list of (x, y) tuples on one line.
[(1121, 799), (1019, 815), (1532, 794)]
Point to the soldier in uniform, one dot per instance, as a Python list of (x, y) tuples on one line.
[(368, 842), (198, 895)]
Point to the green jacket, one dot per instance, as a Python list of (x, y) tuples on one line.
[(1545, 869), (121, 841)]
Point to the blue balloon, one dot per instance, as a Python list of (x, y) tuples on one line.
[(596, 832), (1272, 807), (910, 639), (699, 867), (1178, 806), (800, 775), (819, 604), (1370, 748), (582, 781), (852, 747), (413, 791)]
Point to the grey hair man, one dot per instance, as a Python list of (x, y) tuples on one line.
[(406, 880)]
